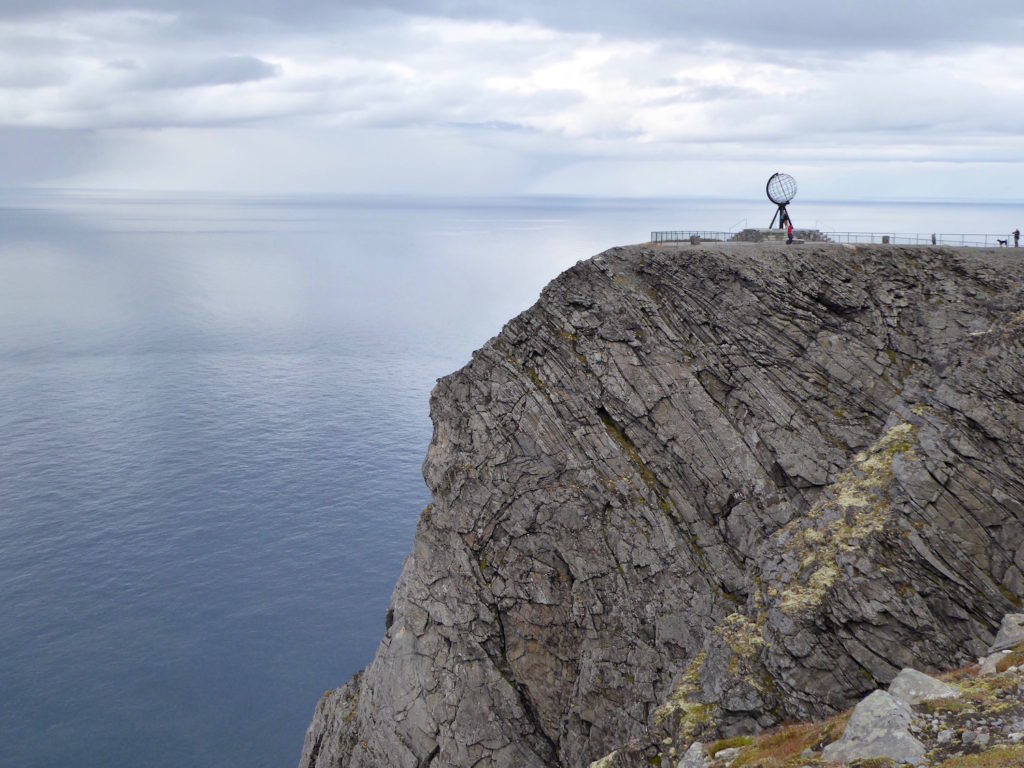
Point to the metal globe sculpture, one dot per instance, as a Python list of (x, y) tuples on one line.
[(781, 189)]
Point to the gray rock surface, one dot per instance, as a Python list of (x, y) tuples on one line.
[(878, 728), (694, 757), (696, 490), (913, 687), (328, 740), (1011, 633), (727, 755), (987, 664)]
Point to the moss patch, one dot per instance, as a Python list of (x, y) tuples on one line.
[(936, 706), (743, 636), (988, 691), (693, 718), (733, 743), (1000, 757), (604, 762), (858, 509), (1014, 658), (536, 379)]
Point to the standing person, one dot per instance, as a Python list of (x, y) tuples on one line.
[(1016, 238), (789, 231)]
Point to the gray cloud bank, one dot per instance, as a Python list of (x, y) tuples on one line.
[(869, 24), (550, 97)]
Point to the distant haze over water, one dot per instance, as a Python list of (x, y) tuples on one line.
[(214, 412)]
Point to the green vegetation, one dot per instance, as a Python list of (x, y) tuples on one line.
[(783, 748), (1014, 658), (536, 379), (801, 744), (735, 741), (694, 718), (860, 508), (1000, 757), (743, 636), (350, 716), (946, 705)]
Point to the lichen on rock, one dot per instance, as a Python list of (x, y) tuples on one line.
[(853, 508), (682, 715)]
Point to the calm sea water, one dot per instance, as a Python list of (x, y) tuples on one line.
[(213, 414)]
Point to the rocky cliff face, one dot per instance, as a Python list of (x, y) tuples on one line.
[(695, 491)]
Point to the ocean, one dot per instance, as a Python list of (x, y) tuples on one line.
[(213, 414)]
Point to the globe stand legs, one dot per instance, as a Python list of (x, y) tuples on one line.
[(782, 215)]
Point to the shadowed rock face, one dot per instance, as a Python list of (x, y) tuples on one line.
[(696, 491)]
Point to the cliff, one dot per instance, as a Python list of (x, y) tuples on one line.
[(698, 491)]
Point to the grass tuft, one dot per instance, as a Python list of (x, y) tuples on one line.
[(779, 749), (733, 743), (1014, 658), (1000, 757)]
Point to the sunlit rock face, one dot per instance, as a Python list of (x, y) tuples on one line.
[(698, 490)]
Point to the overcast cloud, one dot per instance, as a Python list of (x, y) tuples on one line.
[(905, 98)]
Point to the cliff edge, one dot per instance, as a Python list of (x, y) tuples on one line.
[(695, 492)]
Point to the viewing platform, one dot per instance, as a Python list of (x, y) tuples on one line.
[(960, 240)]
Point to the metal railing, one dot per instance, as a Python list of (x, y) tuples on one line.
[(960, 240), (679, 236)]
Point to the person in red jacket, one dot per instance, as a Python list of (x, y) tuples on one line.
[(789, 231)]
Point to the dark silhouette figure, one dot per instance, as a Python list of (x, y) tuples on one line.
[(1016, 238)]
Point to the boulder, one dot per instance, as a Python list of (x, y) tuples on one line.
[(878, 728), (913, 687), (987, 664), (1011, 633), (694, 757)]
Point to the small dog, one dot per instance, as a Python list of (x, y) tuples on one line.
[(1002, 242)]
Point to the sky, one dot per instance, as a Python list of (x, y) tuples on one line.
[(879, 99)]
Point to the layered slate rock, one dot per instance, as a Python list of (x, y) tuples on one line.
[(695, 491)]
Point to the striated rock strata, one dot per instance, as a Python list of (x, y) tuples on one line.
[(694, 492)]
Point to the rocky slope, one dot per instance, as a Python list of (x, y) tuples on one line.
[(973, 720), (696, 491)]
